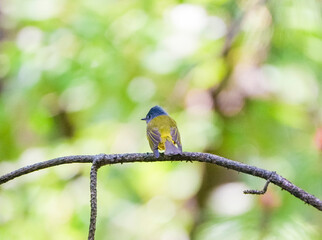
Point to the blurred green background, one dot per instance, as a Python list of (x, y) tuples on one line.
[(77, 76)]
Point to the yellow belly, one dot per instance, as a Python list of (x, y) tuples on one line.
[(163, 125)]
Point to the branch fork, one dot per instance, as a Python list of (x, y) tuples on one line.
[(263, 191)]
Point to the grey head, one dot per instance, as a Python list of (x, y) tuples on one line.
[(154, 112)]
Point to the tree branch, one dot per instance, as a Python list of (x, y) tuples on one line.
[(233, 30), (104, 159), (258, 192), (50, 163), (93, 189)]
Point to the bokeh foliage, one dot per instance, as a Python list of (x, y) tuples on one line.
[(76, 77)]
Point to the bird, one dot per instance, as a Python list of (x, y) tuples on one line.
[(162, 132)]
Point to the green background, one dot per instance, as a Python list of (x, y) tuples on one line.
[(77, 76)]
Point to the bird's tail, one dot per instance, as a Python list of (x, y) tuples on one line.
[(170, 148)]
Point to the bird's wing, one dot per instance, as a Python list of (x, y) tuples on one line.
[(176, 137), (154, 138)]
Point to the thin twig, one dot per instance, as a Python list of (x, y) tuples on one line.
[(186, 156), (93, 190), (259, 192)]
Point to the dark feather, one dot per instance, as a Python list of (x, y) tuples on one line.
[(170, 148), (154, 138), (176, 137)]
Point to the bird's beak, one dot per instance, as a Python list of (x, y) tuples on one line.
[(143, 119)]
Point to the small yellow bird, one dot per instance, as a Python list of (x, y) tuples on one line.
[(162, 132)]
